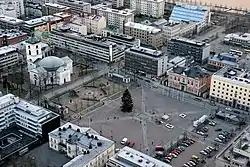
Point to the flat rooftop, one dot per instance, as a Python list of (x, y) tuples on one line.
[(130, 158), (124, 12), (84, 138), (41, 20), (10, 20), (225, 58), (146, 52), (11, 33), (244, 37), (31, 111), (143, 27), (55, 5), (189, 41), (7, 49), (102, 5), (13, 140), (88, 39), (191, 72), (235, 74)]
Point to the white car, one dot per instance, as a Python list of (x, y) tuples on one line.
[(169, 126), (228, 109), (124, 141), (203, 152), (200, 133), (182, 115), (218, 140)]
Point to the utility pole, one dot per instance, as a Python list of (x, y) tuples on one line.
[(144, 123)]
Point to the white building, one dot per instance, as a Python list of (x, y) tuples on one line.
[(153, 8), (49, 70), (9, 57), (129, 157), (12, 8), (231, 86), (178, 29), (238, 39), (84, 145), (116, 18), (14, 110), (94, 23)]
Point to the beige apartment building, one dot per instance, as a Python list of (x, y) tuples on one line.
[(231, 86), (192, 80), (153, 8), (94, 23), (116, 18), (148, 35)]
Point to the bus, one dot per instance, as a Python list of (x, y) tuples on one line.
[(236, 52)]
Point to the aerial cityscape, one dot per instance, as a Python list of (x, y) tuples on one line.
[(124, 83)]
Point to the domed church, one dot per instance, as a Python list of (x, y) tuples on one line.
[(49, 70)]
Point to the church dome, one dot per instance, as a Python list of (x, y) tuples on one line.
[(51, 63)]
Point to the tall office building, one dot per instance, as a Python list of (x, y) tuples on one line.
[(153, 8), (146, 61), (199, 51), (12, 8)]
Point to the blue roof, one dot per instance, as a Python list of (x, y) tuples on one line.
[(188, 13)]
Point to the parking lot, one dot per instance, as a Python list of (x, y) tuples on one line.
[(142, 127)]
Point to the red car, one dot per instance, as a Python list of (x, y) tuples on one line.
[(178, 151), (131, 144), (159, 148)]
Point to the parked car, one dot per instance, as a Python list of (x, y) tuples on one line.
[(166, 160), (159, 148), (181, 148), (195, 157), (131, 144), (212, 148), (185, 165), (221, 137), (218, 130), (184, 144), (203, 152), (125, 141), (212, 123), (174, 155), (218, 140), (191, 162)]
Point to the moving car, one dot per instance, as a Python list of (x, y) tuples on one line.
[(182, 115), (169, 126)]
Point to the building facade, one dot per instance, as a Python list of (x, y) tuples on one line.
[(84, 145), (94, 23), (35, 119), (90, 47), (154, 8), (238, 39), (77, 7), (140, 60), (52, 8), (231, 86), (200, 51), (148, 35), (223, 59), (9, 58), (12, 8), (192, 80), (116, 18), (130, 157)]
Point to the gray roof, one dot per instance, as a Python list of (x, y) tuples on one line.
[(51, 63), (192, 72), (84, 137), (130, 158)]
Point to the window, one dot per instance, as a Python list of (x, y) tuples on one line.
[(28, 47), (37, 52), (37, 46), (29, 52)]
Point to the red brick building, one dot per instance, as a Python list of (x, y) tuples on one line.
[(10, 37)]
